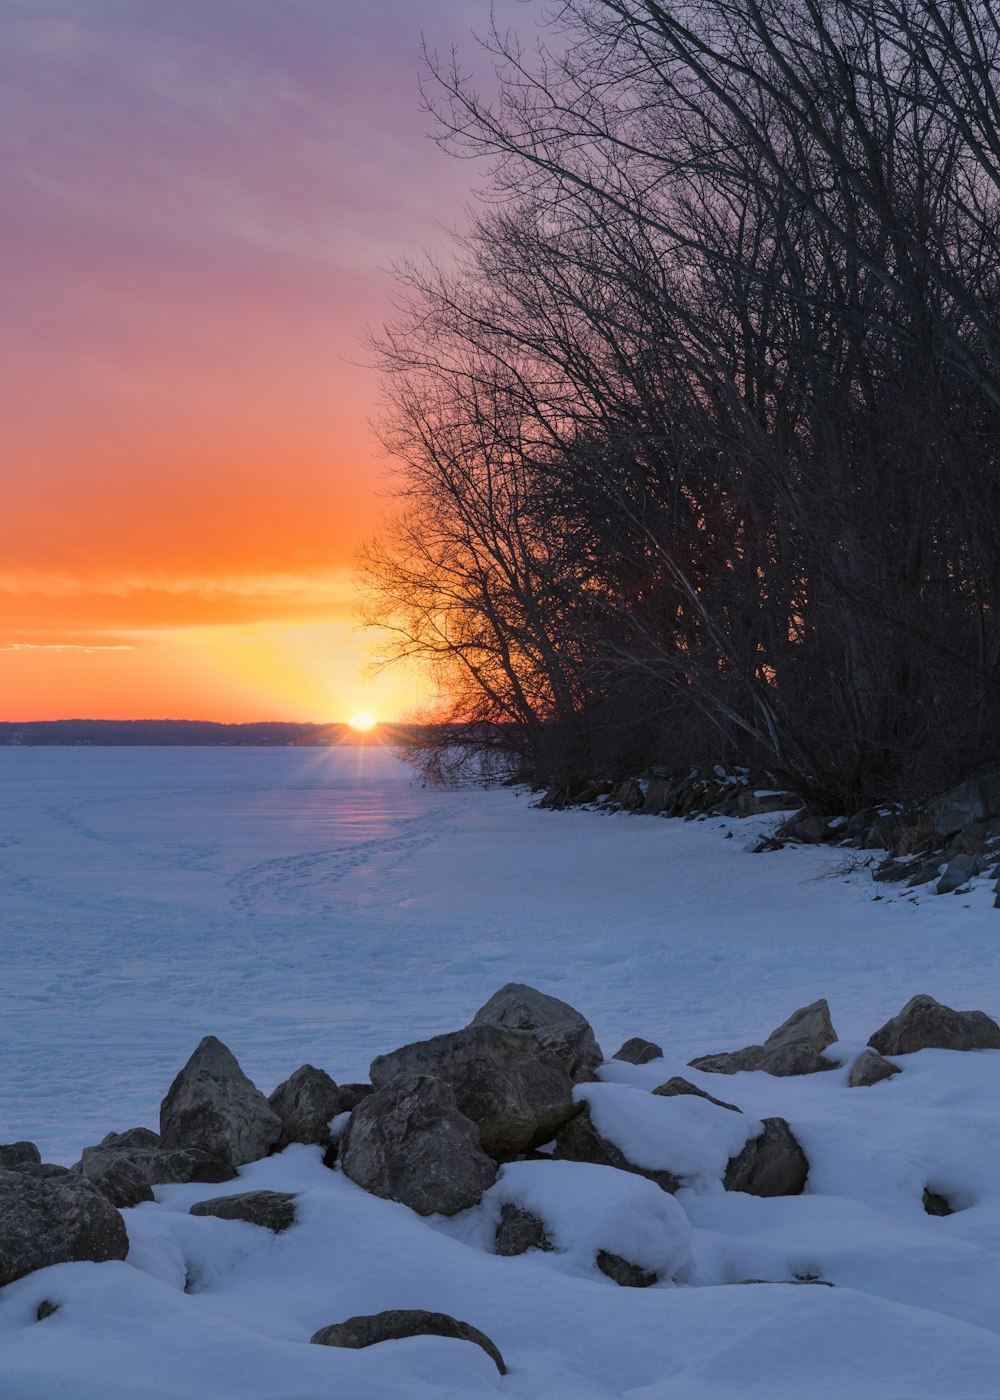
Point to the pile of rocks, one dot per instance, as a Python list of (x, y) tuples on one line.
[(431, 1130)]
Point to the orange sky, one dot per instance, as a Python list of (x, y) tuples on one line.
[(199, 204)]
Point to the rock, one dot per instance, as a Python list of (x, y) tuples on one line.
[(657, 797), (976, 800), (125, 1166), (409, 1142), (728, 1061), (794, 1048), (925, 1024), (958, 871), (628, 794), (391, 1326), (579, 1141), (677, 1085), (352, 1094), (870, 1068), (519, 1230), (638, 1051), (806, 827), (558, 1026), (274, 1210), (45, 1309), (935, 1204), (50, 1215), (305, 1102), (757, 803), (625, 1274), (770, 1165), (213, 1105), (516, 1091), (121, 1180), (19, 1153)]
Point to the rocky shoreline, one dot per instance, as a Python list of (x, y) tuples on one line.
[(943, 843), (446, 1120)]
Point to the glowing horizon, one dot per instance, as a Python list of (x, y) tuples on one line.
[(200, 206)]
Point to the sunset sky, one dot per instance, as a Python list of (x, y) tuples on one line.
[(198, 206)]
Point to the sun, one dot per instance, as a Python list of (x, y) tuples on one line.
[(363, 722)]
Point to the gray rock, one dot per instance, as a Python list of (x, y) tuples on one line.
[(628, 794), (118, 1178), (770, 1165), (794, 1048), (125, 1166), (638, 1051), (934, 1204), (976, 800), (516, 1091), (305, 1102), (758, 803), (409, 1142), (729, 1061), (623, 1272), (519, 1230), (870, 1068), (657, 797), (924, 1024), (677, 1085), (50, 1215), (143, 1138), (213, 1105), (958, 871), (557, 1025), (579, 1141), (274, 1210), (17, 1153), (45, 1309), (806, 827), (810, 1023), (391, 1326)]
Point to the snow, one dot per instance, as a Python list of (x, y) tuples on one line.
[(587, 1209), (323, 907)]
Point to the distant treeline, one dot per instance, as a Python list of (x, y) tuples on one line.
[(699, 430), (115, 733)]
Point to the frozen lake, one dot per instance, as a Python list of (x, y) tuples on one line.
[(308, 905), (321, 906)]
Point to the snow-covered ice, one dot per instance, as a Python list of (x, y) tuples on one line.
[(321, 906)]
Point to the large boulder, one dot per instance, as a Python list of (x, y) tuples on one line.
[(213, 1105), (516, 1090), (558, 1026), (975, 800), (126, 1166), (305, 1102), (398, 1323), (772, 1164), (580, 1141), (51, 1215), (274, 1210), (925, 1024), (794, 1048), (409, 1142)]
